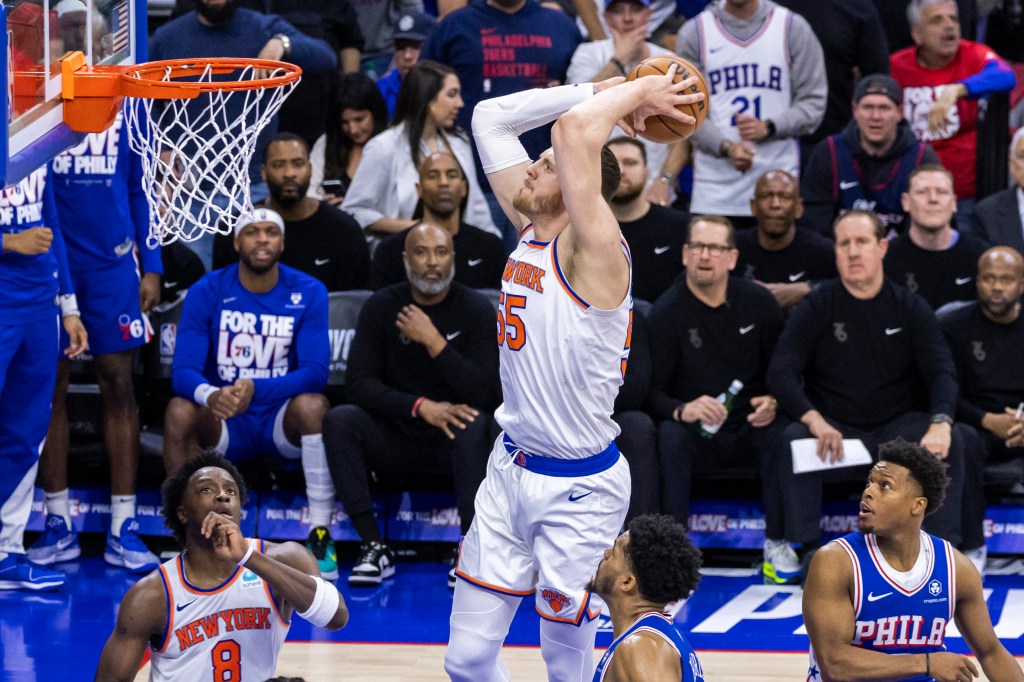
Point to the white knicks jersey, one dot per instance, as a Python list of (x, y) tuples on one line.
[(744, 77), (562, 360), (231, 632)]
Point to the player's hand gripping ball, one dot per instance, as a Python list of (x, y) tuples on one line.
[(662, 128)]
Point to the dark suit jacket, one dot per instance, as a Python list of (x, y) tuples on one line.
[(997, 220)]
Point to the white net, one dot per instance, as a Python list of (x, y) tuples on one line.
[(196, 153)]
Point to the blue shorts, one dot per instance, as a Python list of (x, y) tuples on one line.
[(259, 431), (109, 301)]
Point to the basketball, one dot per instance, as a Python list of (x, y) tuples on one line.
[(661, 128)]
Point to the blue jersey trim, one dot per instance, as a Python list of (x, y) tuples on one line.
[(566, 468)]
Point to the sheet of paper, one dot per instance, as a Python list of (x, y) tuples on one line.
[(805, 455)]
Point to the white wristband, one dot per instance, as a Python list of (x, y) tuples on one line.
[(325, 603), (68, 305), (248, 553), (203, 392)]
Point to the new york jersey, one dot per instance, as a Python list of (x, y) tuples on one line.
[(661, 625), (892, 617), (231, 632), (562, 360), (745, 77)]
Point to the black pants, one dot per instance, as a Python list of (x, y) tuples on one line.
[(638, 443), (802, 493), (357, 442), (684, 453), (980, 448)]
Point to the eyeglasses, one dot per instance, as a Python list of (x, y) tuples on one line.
[(714, 250)]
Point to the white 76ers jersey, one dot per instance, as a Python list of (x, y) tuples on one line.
[(230, 633), (562, 360), (749, 77)]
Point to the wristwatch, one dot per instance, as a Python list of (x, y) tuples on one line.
[(941, 418), (286, 41), (723, 148), (769, 127)]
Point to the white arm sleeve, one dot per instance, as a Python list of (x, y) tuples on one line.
[(498, 122)]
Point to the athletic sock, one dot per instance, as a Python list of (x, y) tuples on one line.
[(57, 503), (319, 486), (122, 508)]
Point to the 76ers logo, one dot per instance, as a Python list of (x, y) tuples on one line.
[(129, 328), (555, 599)]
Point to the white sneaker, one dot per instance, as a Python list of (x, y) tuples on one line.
[(781, 565), (978, 557)]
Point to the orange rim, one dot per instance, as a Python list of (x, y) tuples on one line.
[(153, 73)]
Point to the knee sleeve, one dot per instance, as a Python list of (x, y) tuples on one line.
[(479, 623), (568, 650)]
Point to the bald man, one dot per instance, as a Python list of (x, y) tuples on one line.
[(787, 260), (986, 337), (422, 381)]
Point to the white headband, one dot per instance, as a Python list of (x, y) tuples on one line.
[(259, 215)]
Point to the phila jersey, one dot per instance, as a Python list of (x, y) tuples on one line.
[(562, 360), (661, 625), (749, 77), (899, 613), (230, 633)]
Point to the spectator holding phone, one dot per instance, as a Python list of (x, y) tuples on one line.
[(356, 113)]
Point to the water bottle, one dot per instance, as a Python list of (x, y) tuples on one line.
[(726, 398)]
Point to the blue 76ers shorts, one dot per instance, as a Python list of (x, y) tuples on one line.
[(109, 301), (258, 431)]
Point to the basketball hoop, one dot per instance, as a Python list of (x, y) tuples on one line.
[(194, 122)]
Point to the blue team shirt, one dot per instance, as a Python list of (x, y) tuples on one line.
[(661, 624), (101, 203), (30, 284), (893, 619), (278, 339)]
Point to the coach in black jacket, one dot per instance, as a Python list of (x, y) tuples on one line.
[(863, 358), (998, 218)]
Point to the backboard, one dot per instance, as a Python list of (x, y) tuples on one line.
[(39, 33)]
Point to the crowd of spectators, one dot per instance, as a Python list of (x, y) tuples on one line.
[(833, 210)]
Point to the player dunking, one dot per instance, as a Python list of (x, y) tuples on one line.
[(221, 609), (557, 489)]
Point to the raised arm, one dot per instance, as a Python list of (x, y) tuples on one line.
[(140, 618), (591, 253), (975, 624)]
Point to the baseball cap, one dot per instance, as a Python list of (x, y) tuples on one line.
[(414, 27), (878, 84), (69, 6), (609, 3), (259, 215)]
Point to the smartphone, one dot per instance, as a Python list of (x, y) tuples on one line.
[(335, 187)]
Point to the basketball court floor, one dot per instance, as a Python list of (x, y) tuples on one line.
[(743, 630)]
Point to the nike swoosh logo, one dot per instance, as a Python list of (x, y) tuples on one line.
[(716, 49), (661, 249), (452, 335), (229, 299), (962, 280), (744, 330), (170, 285), (890, 332), (182, 607), (793, 278), (875, 597), (576, 498), (848, 185), (475, 262), (321, 261)]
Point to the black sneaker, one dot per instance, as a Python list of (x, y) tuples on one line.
[(375, 563), (453, 563)]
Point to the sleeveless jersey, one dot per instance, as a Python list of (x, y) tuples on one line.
[(852, 191), (562, 360), (231, 632), (893, 619), (661, 625), (745, 77)]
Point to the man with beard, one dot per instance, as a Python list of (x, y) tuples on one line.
[(249, 367), (985, 338), (219, 28), (877, 602), (654, 233), (422, 382), (479, 255), (778, 255), (650, 565), (323, 240)]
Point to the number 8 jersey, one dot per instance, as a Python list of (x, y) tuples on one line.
[(229, 633), (562, 360)]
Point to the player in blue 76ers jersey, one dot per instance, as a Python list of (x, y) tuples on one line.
[(877, 602), (221, 609), (556, 489), (650, 565)]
